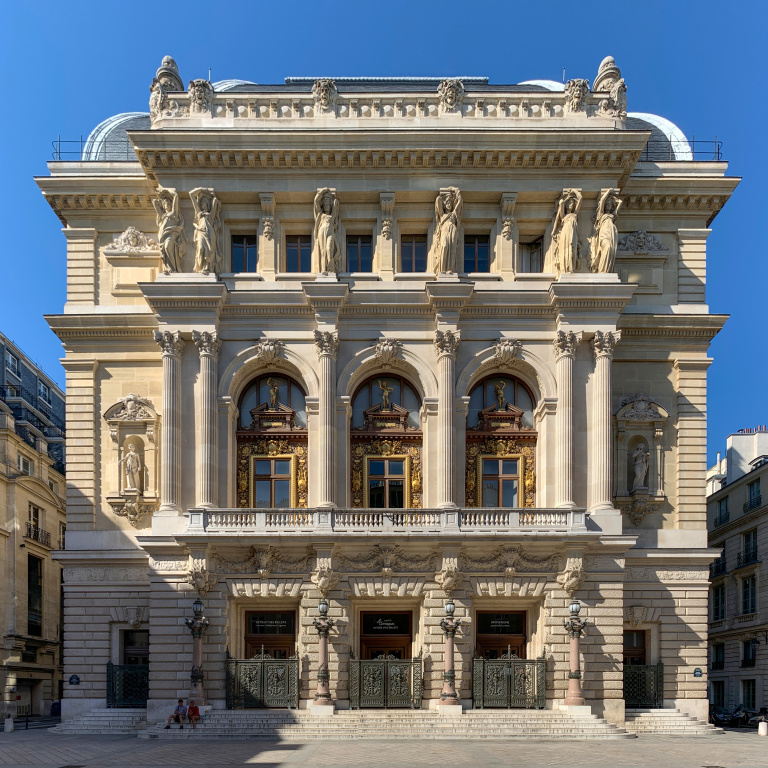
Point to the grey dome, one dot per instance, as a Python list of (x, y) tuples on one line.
[(109, 139), (667, 141)]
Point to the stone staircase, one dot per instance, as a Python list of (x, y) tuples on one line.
[(105, 721), (667, 722), (302, 725)]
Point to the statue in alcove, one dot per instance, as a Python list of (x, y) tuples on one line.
[(641, 458), (386, 391), (132, 469), (273, 392), (499, 390)]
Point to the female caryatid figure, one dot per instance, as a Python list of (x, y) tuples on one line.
[(207, 228), (326, 253), (605, 237), (170, 229), (445, 244), (641, 457), (563, 254)]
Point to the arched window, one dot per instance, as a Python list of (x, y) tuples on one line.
[(269, 389), (387, 391), (492, 391)]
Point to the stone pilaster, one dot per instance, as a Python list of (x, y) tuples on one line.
[(446, 344), (208, 345), (172, 345), (565, 344), (327, 343), (600, 474)]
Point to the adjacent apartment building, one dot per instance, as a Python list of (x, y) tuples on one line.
[(32, 526), (386, 341), (737, 517)]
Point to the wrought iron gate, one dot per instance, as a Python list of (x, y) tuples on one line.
[(262, 681), (127, 685), (644, 685), (385, 682), (509, 682)]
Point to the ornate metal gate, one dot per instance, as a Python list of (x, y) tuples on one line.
[(509, 682), (644, 685), (127, 685), (385, 682), (262, 681)]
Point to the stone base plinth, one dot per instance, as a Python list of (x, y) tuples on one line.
[(322, 710), (450, 709)]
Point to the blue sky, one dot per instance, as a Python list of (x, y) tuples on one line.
[(701, 64)]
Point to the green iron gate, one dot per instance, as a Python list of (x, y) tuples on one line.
[(385, 682), (509, 682), (127, 685), (262, 682), (644, 685)]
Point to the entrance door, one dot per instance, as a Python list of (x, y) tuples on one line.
[(386, 634), (270, 632), (501, 633)]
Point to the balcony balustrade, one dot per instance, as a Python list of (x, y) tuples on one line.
[(37, 534), (717, 665), (750, 662), (754, 503), (717, 568), (722, 518), (747, 557)]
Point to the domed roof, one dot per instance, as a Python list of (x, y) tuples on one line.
[(667, 141), (550, 85), (221, 86), (109, 139)]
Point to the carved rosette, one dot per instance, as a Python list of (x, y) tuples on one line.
[(386, 447), (327, 343), (170, 342), (447, 343), (604, 343), (506, 351), (207, 343), (272, 447), (565, 343), (501, 447), (387, 351)]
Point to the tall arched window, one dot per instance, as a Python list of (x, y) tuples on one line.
[(272, 444), (385, 446), (501, 444)]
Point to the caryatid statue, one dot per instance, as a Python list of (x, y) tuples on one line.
[(563, 252), (208, 256), (132, 469), (326, 254), (170, 229), (445, 243), (605, 237)]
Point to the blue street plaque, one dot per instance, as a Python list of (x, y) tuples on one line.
[(74, 680), (697, 672)]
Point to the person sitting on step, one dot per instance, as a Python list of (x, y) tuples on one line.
[(178, 715), (193, 714)]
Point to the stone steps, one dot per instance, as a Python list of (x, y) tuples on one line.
[(104, 721), (667, 722)]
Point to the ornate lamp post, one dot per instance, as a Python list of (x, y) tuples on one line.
[(323, 626), (449, 626), (575, 628), (198, 626)]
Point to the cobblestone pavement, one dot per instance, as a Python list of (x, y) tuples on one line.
[(735, 749)]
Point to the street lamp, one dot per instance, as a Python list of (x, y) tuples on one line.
[(198, 626), (449, 625), (575, 628), (323, 626)]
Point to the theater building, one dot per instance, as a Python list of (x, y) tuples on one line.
[(386, 341)]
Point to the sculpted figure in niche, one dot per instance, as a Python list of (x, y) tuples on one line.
[(641, 458), (207, 228), (132, 469), (327, 251), (273, 392), (563, 254), (605, 238), (386, 391), (445, 244), (499, 390), (170, 229)]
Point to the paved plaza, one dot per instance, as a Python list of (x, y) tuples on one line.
[(735, 749)]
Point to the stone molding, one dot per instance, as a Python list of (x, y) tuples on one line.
[(388, 586), (266, 587), (515, 586)]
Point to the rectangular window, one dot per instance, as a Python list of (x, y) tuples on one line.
[(748, 689), (25, 465), (271, 483), (722, 510), (298, 253), (34, 515), (386, 483), (718, 693), (748, 656), (54, 486), (34, 596), (359, 253), (413, 253), (718, 602), (44, 391), (748, 595), (477, 249), (749, 542), (718, 656), (531, 256), (12, 363), (634, 647), (244, 251), (135, 646), (500, 482)]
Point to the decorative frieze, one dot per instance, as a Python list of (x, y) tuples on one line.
[(132, 241), (640, 242), (387, 560), (513, 586), (510, 560), (267, 587), (387, 586)]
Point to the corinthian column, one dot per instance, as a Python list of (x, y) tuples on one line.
[(172, 345), (208, 344), (446, 344), (327, 346), (565, 350), (603, 345)]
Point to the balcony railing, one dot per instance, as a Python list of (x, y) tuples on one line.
[(717, 665), (753, 503), (13, 393), (722, 518), (409, 521), (37, 534), (747, 557), (717, 568), (748, 662)]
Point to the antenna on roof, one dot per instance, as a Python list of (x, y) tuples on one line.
[(209, 75), (563, 74)]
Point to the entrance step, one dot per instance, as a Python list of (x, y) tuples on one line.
[(667, 722), (104, 721), (300, 725)]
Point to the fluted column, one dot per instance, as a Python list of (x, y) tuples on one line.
[(208, 345), (446, 344), (603, 345), (565, 344), (171, 345), (327, 343)]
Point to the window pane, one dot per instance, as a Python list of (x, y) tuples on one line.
[(376, 467), (420, 254), (262, 468), (483, 249), (251, 251), (509, 467), (261, 494), (366, 259), (509, 493), (490, 493), (352, 255), (283, 467), (490, 467), (376, 494), (291, 254), (469, 256), (282, 493), (396, 494), (237, 254), (306, 255), (395, 467)]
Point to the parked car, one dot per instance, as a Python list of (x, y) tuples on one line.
[(760, 717)]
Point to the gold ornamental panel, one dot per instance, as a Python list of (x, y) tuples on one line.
[(386, 449), (278, 448), (498, 448)]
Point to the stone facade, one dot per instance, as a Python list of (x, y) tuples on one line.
[(332, 280)]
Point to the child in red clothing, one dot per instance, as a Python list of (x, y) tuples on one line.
[(193, 714)]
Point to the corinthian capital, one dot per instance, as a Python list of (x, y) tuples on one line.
[(327, 343), (207, 343), (604, 343), (447, 342), (565, 344), (170, 342)]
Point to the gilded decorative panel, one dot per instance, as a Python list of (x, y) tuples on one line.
[(522, 450), (390, 449), (266, 448)]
